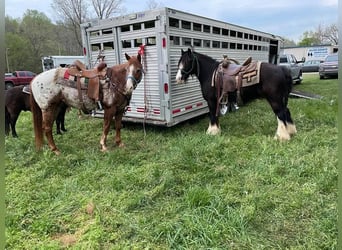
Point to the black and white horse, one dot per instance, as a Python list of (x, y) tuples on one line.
[(275, 85)]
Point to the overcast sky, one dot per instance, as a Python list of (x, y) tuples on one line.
[(286, 18)]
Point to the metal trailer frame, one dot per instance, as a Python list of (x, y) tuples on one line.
[(164, 32)]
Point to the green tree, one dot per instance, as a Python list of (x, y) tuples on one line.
[(37, 29), (309, 38)]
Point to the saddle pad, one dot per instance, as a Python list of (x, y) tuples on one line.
[(252, 77)]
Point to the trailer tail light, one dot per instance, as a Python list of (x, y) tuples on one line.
[(164, 42), (166, 88), (84, 51)]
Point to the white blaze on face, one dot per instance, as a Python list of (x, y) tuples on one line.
[(179, 74), (130, 81)]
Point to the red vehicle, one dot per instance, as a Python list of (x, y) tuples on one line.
[(18, 78)]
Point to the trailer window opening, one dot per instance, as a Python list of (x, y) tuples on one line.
[(206, 28), (138, 42), (216, 30), (245, 46), (239, 34), (197, 27), (232, 45), (137, 26), (125, 28), (216, 44), (95, 33), (224, 45), (232, 33), (186, 41), (239, 46), (197, 42), (151, 41), (225, 32), (96, 47), (107, 31), (108, 45), (126, 43), (206, 43), (173, 22), (246, 35), (186, 25), (174, 40), (149, 24)]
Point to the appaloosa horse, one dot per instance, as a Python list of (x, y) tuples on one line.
[(113, 90), (17, 99), (275, 84)]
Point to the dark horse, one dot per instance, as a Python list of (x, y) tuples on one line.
[(51, 87), (17, 100), (275, 85)]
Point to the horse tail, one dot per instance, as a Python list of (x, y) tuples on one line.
[(37, 122)]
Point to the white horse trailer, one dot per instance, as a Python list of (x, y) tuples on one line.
[(160, 35)]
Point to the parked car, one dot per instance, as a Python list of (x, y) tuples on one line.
[(18, 78), (329, 67), (311, 66), (290, 61)]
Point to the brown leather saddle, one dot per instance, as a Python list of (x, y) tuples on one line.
[(91, 78), (231, 77)]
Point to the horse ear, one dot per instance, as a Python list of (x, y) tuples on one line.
[(127, 56), (182, 51), (189, 51), (139, 57)]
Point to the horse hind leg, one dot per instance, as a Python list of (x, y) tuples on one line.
[(290, 126), (48, 119)]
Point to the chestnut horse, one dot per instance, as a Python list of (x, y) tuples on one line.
[(50, 88), (17, 100), (275, 85)]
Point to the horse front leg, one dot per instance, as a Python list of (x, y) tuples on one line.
[(214, 127), (48, 119), (282, 133), (118, 120), (108, 116)]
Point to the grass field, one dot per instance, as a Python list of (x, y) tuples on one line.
[(178, 188)]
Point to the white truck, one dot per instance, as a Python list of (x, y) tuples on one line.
[(51, 62), (161, 34)]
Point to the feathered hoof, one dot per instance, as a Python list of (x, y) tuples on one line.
[(291, 129)]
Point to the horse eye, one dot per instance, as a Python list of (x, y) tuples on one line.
[(138, 71)]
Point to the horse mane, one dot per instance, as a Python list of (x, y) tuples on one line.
[(101, 66), (208, 63)]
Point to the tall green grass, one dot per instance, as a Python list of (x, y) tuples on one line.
[(178, 188)]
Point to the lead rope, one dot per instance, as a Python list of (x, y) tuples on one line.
[(141, 52)]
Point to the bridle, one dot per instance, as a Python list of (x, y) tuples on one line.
[(135, 81)]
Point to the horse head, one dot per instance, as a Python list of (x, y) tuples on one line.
[(126, 77), (134, 72), (187, 65)]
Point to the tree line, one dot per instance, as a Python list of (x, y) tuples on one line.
[(34, 35)]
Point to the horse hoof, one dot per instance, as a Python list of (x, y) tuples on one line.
[(213, 130), (282, 138), (121, 145), (57, 152), (104, 149), (291, 129)]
